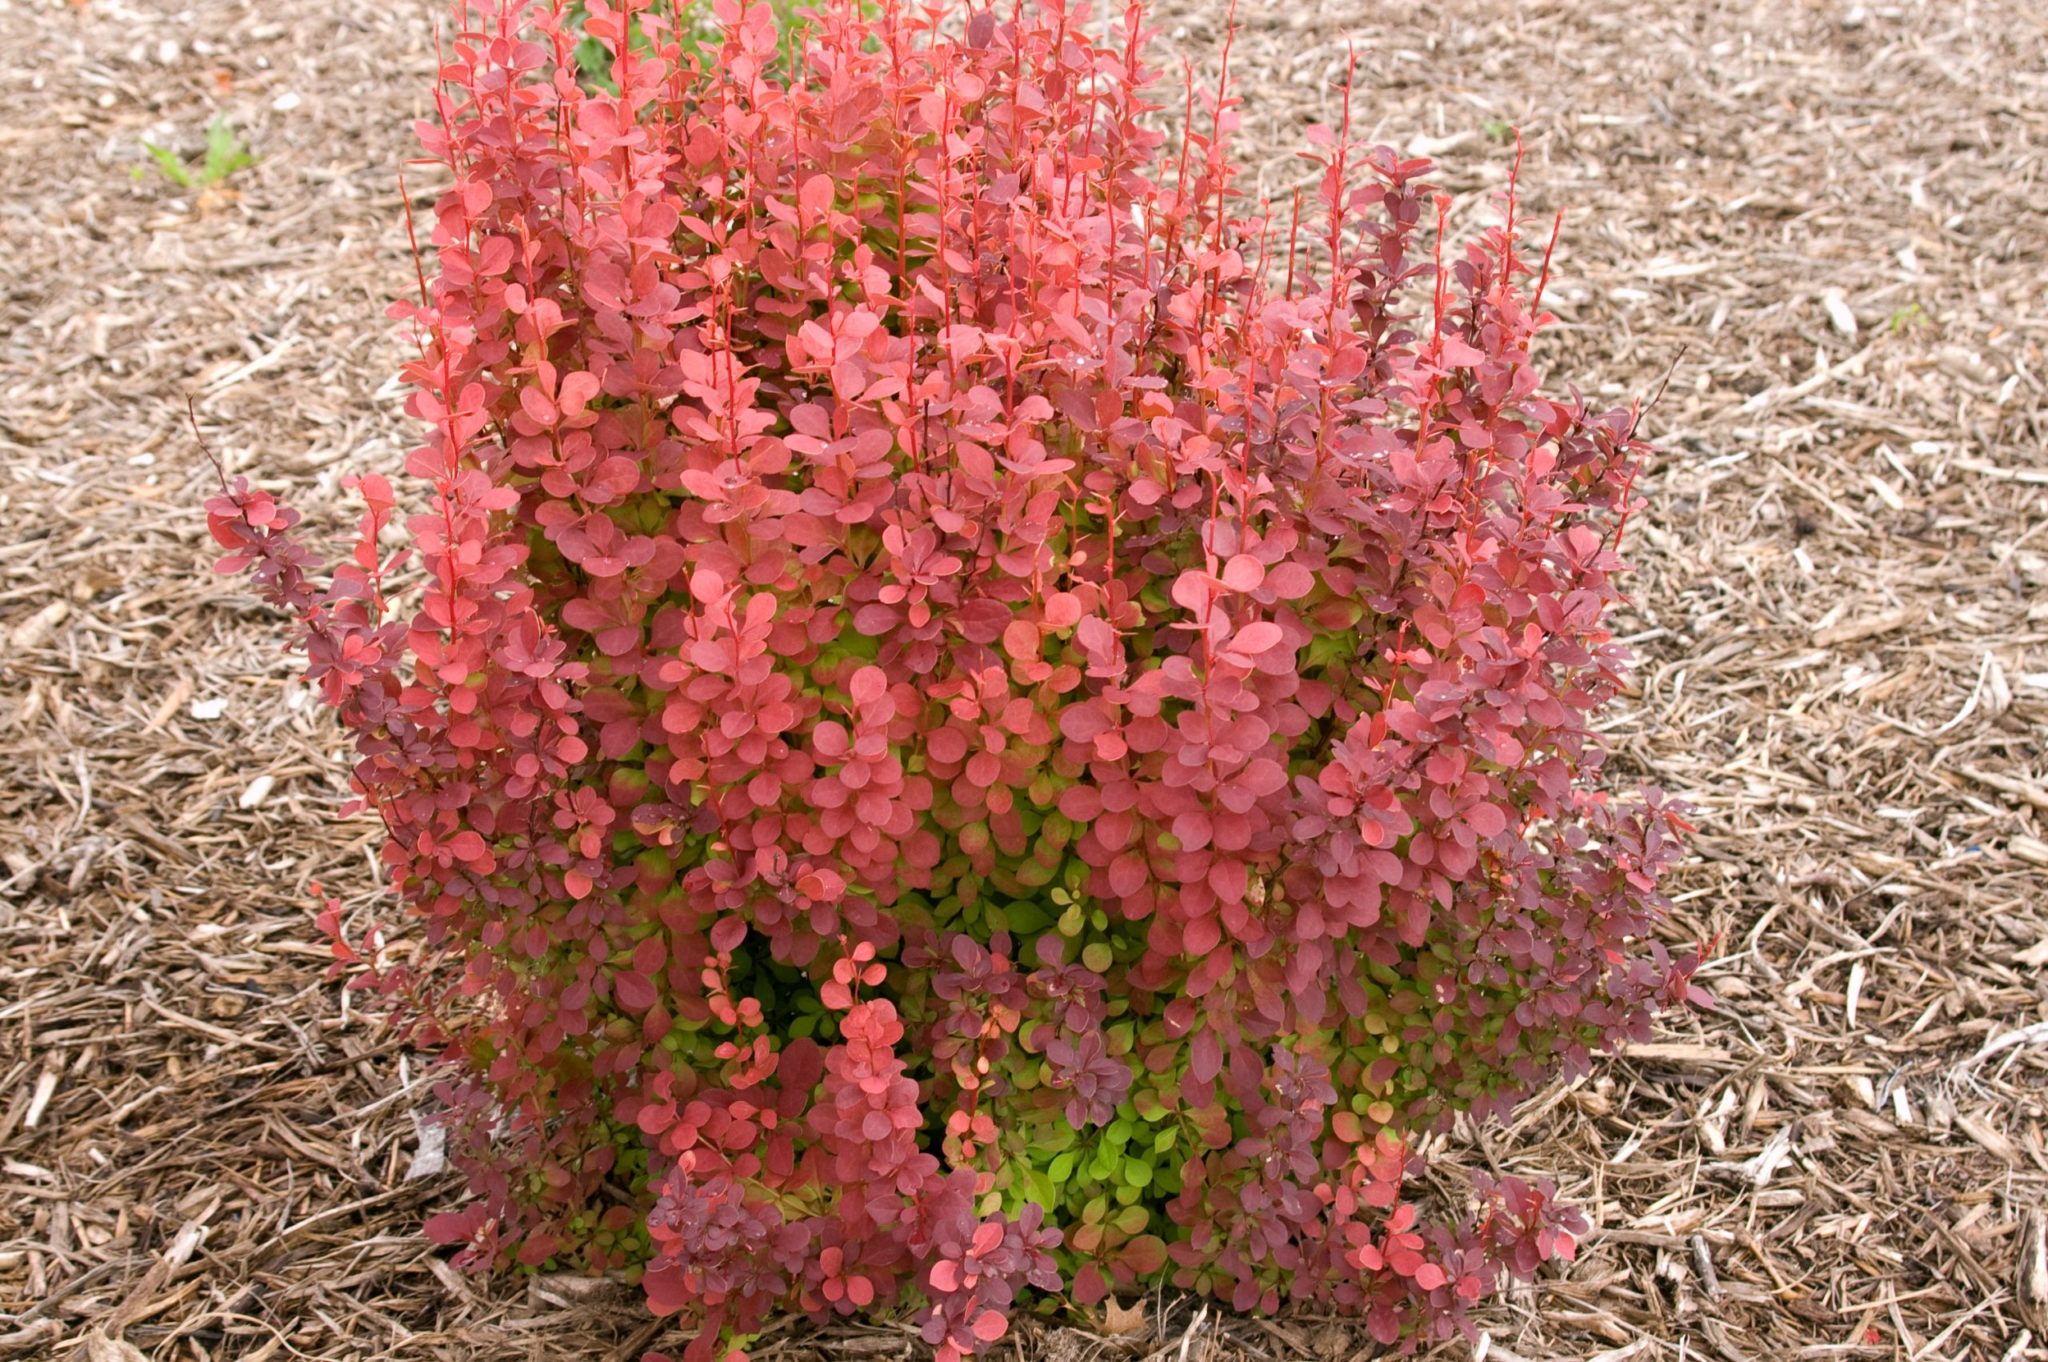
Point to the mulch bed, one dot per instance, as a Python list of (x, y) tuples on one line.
[(1827, 223)]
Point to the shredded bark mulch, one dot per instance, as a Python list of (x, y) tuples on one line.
[(1825, 223)]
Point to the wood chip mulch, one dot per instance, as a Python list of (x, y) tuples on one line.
[(1826, 222)]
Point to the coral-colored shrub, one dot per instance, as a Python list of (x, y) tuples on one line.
[(968, 713)]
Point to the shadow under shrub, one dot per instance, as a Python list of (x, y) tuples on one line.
[(964, 712)]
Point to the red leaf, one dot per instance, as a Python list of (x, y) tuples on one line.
[(1257, 637), (1243, 573)]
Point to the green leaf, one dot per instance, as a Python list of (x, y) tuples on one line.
[(1036, 874), (225, 153), (1054, 1138), (173, 169), (1026, 917)]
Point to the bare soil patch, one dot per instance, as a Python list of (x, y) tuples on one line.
[(1826, 222)]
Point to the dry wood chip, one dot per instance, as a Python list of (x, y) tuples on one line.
[(1988, 1136), (2015, 786), (2032, 850), (35, 631), (1862, 627), (1677, 1052), (100, 1348), (1839, 315), (2030, 1282)]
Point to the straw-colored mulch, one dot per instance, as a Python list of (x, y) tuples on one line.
[(1824, 220)]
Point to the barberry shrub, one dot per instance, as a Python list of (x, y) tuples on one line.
[(969, 711)]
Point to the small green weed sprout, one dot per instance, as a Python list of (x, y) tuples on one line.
[(225, 154)]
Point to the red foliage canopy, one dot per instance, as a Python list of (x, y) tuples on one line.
[(956, 682)]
